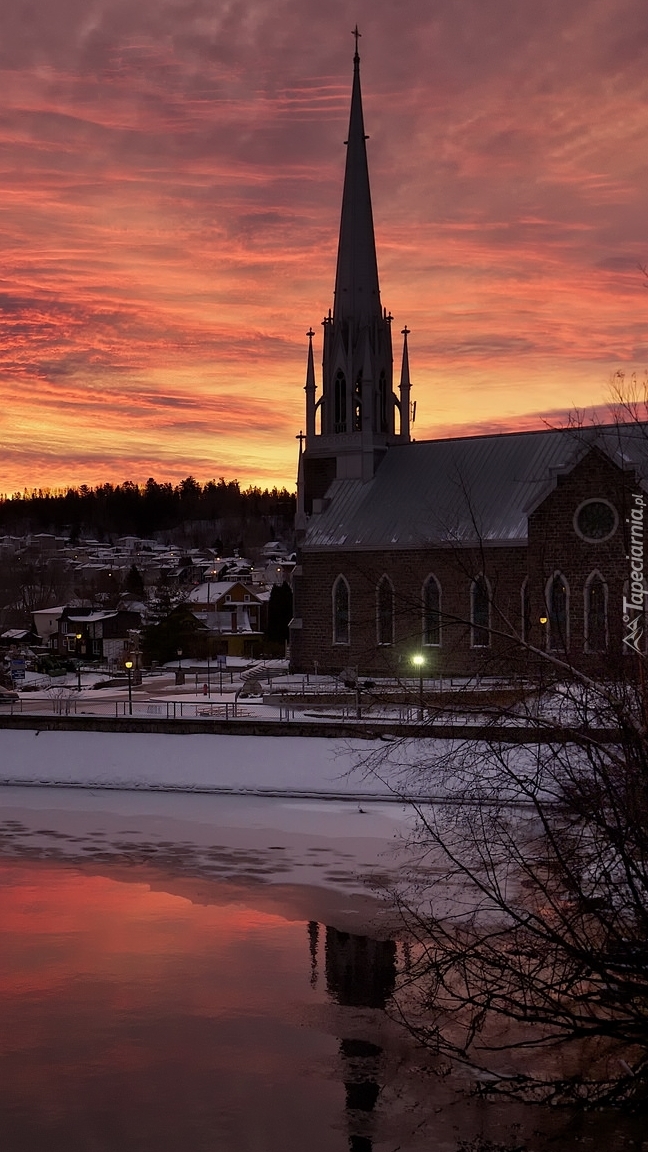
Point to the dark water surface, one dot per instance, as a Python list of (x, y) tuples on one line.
[(147, 1003)]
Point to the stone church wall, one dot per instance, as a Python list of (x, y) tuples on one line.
[(554, 547), (454, 569)]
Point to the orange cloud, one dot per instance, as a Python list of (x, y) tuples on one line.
[(171, 189)]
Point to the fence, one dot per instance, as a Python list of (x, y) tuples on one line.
[(168, 709)]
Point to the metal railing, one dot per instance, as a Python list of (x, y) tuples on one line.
[(168, 709)]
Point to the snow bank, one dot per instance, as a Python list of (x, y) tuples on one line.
[(291, 765)]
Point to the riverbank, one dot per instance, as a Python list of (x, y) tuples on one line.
[(291, 766), (194, 720)]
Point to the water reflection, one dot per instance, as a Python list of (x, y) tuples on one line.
[(360, 973), (132, 1018), (141, 1010)]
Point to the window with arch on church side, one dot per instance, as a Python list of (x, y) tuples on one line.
[(382, 402), (432, 612), (357, 403), (596, 624), (340, 402), (385, 611), (341, 612), (480, 613), (557, 598)]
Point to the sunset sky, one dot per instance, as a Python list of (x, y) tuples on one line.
[(172, 176)]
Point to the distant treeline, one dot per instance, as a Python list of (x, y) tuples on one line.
[(111, 510)]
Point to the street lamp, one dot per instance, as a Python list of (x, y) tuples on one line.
[(418, 660), (180, 676), (78, 638), (128, 664)]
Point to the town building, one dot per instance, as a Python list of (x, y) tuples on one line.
[(462, 554), (101, 636), (233, 613)]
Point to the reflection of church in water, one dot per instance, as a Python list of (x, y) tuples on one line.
[(360, 973)]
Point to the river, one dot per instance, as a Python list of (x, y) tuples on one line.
[(187, 972)]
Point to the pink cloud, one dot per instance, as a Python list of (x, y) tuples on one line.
[(172, 180)]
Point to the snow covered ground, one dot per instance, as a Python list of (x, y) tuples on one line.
[(278, 765), (240, 842), (293, 818)]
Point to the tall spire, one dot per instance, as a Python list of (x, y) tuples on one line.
[(356, 405), (357, 294), (404, 389), (310, 388)]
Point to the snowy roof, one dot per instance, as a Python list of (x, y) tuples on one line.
[(211, 591), (463, 491), (92, 618)]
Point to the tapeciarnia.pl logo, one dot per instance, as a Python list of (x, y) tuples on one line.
[(633, 605)]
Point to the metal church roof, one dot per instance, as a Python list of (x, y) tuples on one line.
[(476, 489)]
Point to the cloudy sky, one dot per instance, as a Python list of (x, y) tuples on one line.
[(172, 175)]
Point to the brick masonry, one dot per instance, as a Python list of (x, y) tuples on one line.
[(553, 546)]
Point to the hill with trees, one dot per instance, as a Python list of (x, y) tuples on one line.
[(188, 512)]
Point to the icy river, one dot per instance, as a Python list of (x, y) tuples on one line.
[(215, 973)]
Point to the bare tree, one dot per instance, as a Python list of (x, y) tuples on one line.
[(526, 898)]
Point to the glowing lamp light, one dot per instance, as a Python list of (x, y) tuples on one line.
[(418, 660), (128, 664), (543, 619)]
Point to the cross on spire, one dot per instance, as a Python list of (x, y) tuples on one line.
[(310, 333), (301, 436), (357, 293), (357, 37)]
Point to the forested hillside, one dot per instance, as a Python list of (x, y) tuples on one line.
[(187, 509)]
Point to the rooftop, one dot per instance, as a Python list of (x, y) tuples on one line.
[(464, 491)]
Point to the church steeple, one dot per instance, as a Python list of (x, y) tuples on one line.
[(404, 389), (357, 294), (352, 423)]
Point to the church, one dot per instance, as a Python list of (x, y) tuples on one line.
[(455, 556)]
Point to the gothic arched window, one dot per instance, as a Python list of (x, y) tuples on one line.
[(596, 624), (382, 402), (340, 402), (432, 611), (480, 600), (385, 611), (341, 612), (357, 403), (557, 598)]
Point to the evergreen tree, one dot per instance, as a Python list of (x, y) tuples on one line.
[(134, 582), (280, 610)]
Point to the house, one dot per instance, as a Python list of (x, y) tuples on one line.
[(46, 624), (233, 612), (18, 637), (97, 635)]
